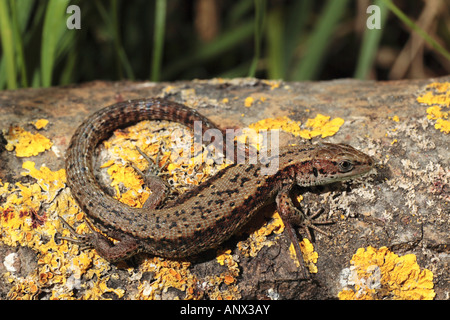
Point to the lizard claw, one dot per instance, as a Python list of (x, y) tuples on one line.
[(310, 222), (126, 247), (153, 171), (80, 239), (160, 188)]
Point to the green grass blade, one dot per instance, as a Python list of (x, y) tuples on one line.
[(2, 73), (19, 19), (370, 42), (6, 32), (310, 65), (275, 44), (36, 79), (53, 30), (260, 13), (417, 29), (158, 40), (24, 13)]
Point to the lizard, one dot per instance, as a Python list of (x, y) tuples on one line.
[(208, 214)]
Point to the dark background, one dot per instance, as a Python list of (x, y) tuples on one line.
[(167, 40)]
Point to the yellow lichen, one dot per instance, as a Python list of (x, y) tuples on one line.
[(258, 239), (228, 277), (437, 96), (435, 112), (320, 126), (221, 258), (443, 125), (24, 223), (309, 255), (26, 144), (248, 101), (381, 274), (274, 84), (225, 258), (51, 182), (125, 176), (282, 123), (217, 291), (40, 124), (22, 220), (166, 274)]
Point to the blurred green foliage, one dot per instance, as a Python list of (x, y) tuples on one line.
[(163, 40)]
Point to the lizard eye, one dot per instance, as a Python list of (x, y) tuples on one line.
[(345, 166)]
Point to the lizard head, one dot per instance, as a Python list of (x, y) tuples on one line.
[(334, 162)]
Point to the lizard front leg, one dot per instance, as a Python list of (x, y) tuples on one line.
[(294, 217)]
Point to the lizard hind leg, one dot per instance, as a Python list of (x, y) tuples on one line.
[(112, 252), (151, 177)]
